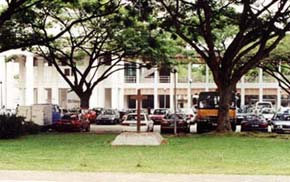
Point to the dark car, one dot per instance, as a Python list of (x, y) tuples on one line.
[(108, 116), (158, 115), (167, 123), (71, 122), (254, 122), (281, 122)]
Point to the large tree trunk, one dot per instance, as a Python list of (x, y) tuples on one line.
[(85, 100), (224, 124)]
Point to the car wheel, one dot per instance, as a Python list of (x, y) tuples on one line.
[(88, 128), (233, 127), (199, 128)]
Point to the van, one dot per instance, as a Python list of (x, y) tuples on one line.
[(40, 114)]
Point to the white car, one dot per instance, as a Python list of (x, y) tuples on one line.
[(189, 112), (130, 123), (268, 113)]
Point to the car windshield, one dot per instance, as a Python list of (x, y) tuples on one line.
[(175, 116), (133, 117), (108, 112), (65, 117), (159, 111), (267, 111), (282, 117), (210, 100), (253, 117)]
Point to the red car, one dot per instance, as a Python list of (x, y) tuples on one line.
[(158, 115), (71, 122), (167, 123)]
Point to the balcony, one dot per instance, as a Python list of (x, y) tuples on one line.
[(130, 79), (164, 79)]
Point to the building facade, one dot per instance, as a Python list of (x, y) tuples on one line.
[(26, 79)]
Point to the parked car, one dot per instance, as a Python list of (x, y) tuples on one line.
[(158, 115), (128, 111), (189, 113), (72, 122), (92, 114), (108, 116), (281, 122), (167, 123), (268, 113), (130, 123), (254, 122)]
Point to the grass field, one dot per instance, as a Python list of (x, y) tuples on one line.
[(231, 154)]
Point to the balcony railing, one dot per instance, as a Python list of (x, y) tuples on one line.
[(130, 79), (164, 79)]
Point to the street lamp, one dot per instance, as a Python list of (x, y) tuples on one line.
[(1, 95), (190, 98), (174, 71)]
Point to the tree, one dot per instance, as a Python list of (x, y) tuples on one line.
[(277, 64), (223, 33), (22, 21), (94, 49)]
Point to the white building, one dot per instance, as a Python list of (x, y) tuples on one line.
[(26, 80)]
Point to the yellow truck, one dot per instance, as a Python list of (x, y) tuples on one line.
[(207, 112)]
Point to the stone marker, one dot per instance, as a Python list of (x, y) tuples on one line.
[(139, 139)]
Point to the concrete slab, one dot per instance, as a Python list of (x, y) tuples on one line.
[(139, 139)]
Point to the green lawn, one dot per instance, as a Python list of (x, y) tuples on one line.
[(231, 154)]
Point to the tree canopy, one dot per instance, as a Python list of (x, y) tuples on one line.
[(94, 49), (223, 33)]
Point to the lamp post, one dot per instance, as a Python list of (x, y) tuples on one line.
[(174, 71), (189, 93), (164, 89), (1, 95)]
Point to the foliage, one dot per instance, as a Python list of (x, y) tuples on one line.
[(223, 33), (10, 126), (277, 64), (111, 33), (22, 21)]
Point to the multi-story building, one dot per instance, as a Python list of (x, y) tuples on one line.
[(27, 79)]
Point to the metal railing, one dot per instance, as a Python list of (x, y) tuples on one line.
[(130, 79), (164, 79)]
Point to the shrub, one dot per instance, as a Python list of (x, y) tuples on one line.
[(11, 126), (31, 128)]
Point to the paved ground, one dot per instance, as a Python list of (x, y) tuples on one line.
[(44, 176)]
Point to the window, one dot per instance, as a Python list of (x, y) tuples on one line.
[(67, 72), (35, 62)]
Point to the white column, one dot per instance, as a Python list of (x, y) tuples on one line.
[(101, 96), (3, 79), (260, 85), (206, 77), (137, 75), (22, 81), (189, 98), (156, 100), (114, 98), (55, 95), (171, 99), (121, 104), (243, 93), (29, 80)]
